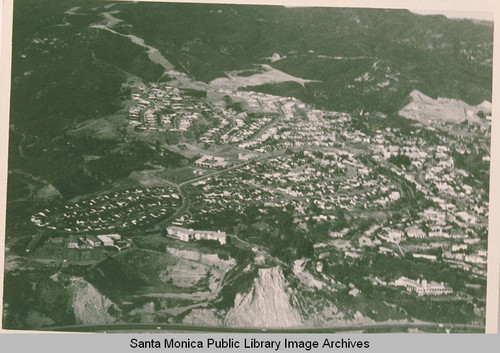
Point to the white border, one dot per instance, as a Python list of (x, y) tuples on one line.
[(5, 66)]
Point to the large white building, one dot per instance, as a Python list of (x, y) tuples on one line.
[(185, 234), (422, 287), (211, 162), (109, 239), (180, 233)]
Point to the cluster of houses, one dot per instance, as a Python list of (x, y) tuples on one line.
[(440, 180), (236, 127), (434, 161), (311, 127), (461, 254), (329, 181), (111, 211), (186, 235), (97, 241), (157, 106), (244, 128), (316, 132), (337, 178), (226, 122)]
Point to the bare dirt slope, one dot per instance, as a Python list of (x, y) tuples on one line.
[(426, 109), (266, 305), (90, 306)]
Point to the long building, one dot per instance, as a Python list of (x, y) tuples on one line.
[(422, 287), (211, 162), (185, 234)]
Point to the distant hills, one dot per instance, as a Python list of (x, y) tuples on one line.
[(71, 58), (64, 69)]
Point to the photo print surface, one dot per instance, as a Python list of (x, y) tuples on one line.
[(241, 167)]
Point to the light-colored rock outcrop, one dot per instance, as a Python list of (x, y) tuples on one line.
[(266, 305)]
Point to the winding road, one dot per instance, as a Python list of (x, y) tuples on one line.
[(185, 197)]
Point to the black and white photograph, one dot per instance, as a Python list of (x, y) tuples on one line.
[(247, 168)]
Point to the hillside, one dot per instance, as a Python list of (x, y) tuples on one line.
[(71, 59)]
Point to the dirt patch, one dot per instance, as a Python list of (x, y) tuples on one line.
[(269, 76), (47, 193), (102, 128), (427, 110), (89, 306), (184, 274), (305, 277), (204, 317), (36, 319)]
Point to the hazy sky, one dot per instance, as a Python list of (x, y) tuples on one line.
[(479, 15)]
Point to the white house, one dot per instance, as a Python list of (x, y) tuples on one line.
[(109, 239), (414, 232)]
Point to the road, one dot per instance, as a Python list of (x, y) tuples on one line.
[(236, 166), (185, 197), (373, 327)]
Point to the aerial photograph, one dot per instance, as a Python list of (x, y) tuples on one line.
[(244, 168)]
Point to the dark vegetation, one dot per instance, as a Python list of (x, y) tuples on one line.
[(276, 230), (236, 281), (400, 160), (112, 278), (473, 163), (273, 229), (389, 268), (29, 293)]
